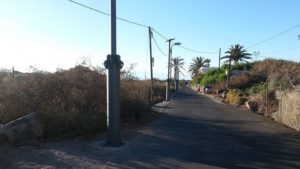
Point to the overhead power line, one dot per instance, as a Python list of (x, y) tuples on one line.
[(107, 14), (159, 34), (274, 36), (196, 51), (140, 25), (285, 50), (158, 46), (88, 7)]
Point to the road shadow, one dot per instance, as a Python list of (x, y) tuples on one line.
[(176, 142)]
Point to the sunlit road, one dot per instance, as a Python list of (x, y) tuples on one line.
[(192, 132)]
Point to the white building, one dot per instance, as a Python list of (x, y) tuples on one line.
[(205, 69)]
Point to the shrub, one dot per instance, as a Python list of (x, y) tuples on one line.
[(211, 77), (245, 81), (134, 103), (196, 79), (253, 90), (236, 97), (278, 72), (73, 101)]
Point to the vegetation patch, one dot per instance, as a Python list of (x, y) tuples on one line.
[(73, 101)]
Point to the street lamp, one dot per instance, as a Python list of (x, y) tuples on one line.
[(256, 53), (113, 64), (169, 62)]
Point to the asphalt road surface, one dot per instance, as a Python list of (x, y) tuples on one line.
[(192, 132)]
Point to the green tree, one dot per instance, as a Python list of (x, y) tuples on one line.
[(236, 53), (198, 63)]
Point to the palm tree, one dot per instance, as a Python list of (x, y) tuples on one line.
[(236, 53), (177, 64), (198, 63)]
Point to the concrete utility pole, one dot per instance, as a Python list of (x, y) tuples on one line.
[(219, 59), (168, 79), (113, 64), (151, 65), (256, 53), (169, 64)]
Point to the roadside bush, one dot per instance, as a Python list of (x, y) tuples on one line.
[(245, 81), (220, 85), (211, 77), (196, 79), (236, 97), (278, 72), (73, 101), (256, 89), (159, 88), (134, 103)]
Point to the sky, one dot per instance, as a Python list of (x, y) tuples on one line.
[(55, 34)]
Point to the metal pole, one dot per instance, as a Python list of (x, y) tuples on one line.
[(171, 53), (228, 75), (168, 80), (267, 91), (113, 65), (151, 65), (219, 59)]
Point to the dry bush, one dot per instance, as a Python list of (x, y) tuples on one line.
[(135, 98), (159, 88), (236, 97), (245, 81), (261, 99), (279, 72), (73, 101), (221, 85)]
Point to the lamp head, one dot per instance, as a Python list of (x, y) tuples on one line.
[(169, 40)]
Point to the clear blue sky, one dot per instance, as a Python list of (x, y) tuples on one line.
[(55, 34)]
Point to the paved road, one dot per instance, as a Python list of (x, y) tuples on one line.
[(193, 132)]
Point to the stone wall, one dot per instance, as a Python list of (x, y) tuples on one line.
[(289, 109)]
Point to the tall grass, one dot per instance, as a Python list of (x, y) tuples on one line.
[(73, 101)]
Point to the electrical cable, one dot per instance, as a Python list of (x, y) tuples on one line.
[(196, 51), (107, 14), (158, 46), (159, 34), (285, 50), (138, 24), (274, 36)]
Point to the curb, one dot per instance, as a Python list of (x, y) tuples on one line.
[(160, 107)]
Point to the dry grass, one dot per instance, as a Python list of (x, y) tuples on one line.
[(235, 97), (73, 101), (278, 72)]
